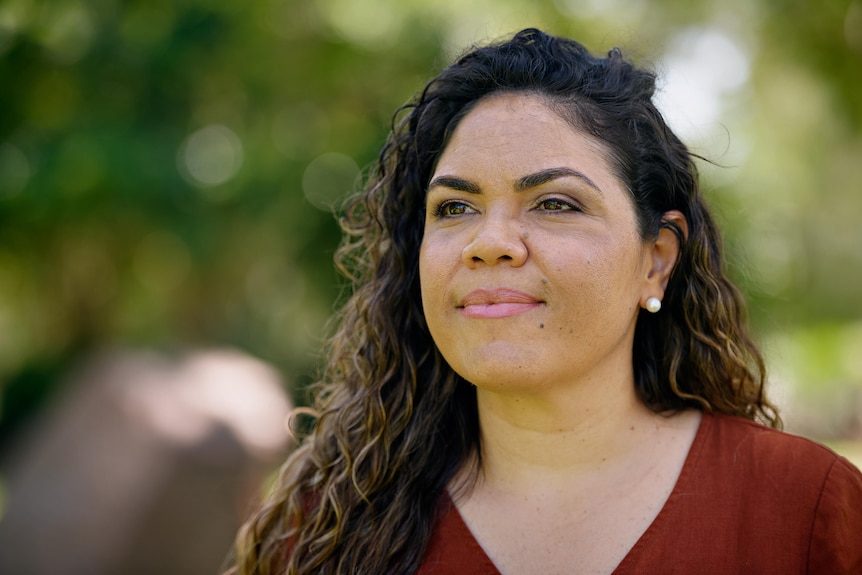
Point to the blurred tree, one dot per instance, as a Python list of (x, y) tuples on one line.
[(165, 166)]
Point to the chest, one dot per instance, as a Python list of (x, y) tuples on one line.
[(586, 535)]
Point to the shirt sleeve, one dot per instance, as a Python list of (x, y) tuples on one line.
[(836, 537)]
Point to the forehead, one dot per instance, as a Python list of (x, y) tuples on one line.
[(518, 132)]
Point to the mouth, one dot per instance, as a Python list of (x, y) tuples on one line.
[(497, 303)]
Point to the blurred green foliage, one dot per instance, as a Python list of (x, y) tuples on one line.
[(165, 167)]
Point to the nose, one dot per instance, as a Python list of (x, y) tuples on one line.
[(498, 239)]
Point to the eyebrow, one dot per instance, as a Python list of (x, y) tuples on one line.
[(545, 176), (524, 183), (455, 183)]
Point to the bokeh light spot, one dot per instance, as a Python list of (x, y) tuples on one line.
[(703, 66), (373, 25), (211, 156), (853, 26), (328, 179), (68, 32), (617, 10)]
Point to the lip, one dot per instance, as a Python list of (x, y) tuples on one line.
[(497, 303)]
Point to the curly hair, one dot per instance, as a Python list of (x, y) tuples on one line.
[(394, 421)]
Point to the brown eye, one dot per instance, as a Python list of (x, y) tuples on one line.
[(555, 205), (452, 208)]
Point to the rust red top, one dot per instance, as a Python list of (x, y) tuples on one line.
[(749, 499)]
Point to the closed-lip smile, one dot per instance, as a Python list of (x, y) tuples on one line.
[(497, 303)]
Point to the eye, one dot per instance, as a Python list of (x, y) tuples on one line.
[(556, 205), (451, 208)]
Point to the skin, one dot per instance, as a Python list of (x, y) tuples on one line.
[(533, 274), (570, 244)]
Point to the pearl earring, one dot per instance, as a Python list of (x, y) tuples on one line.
[(653, 304)]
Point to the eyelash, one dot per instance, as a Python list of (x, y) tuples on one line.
[(440, 210), (564, 206)]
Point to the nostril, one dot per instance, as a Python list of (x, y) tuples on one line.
[(492, 245)]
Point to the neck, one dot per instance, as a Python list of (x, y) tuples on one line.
[(531, 440)]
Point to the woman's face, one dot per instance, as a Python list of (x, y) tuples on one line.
[(532, 269)]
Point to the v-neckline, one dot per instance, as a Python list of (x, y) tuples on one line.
[(679, 489)]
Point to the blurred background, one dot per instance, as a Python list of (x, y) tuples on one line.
[(167, 170)]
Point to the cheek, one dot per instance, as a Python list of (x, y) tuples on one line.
[(436, 272), (437, 254), (429, 274)]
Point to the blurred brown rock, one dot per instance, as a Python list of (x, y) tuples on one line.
[(144, 465)]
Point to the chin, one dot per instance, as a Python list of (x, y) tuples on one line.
[(500, 375)]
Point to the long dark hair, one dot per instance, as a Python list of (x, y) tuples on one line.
[(395, 423)]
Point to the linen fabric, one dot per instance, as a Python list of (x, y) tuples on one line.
[(749, 499)]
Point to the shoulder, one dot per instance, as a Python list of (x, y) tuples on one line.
[(762, 471), (785, 480), (743, 445), (769, 499)]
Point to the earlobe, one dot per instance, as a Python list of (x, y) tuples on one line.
[(665, 252)]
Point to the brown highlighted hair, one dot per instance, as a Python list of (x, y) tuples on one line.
[(395, 423)]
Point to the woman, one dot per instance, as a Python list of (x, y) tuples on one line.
[(542, 367)]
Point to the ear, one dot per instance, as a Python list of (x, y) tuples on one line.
[(664, 254)]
